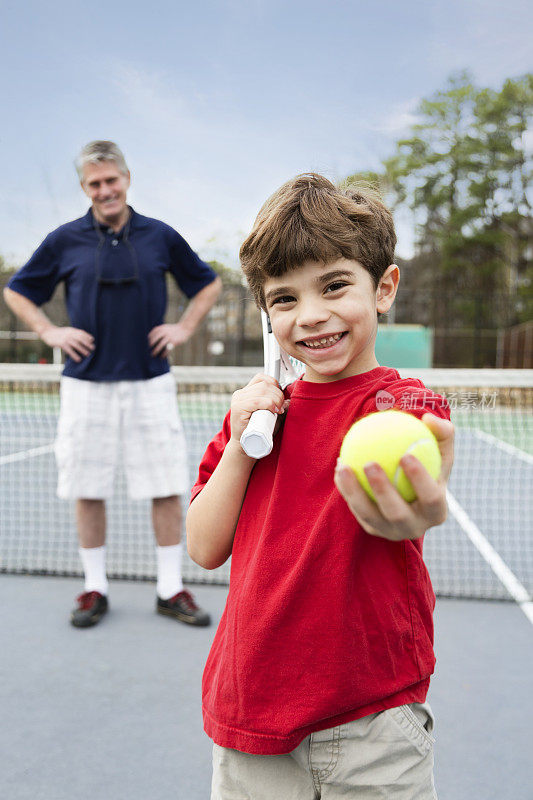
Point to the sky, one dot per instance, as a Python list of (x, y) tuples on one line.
[(216, 103)]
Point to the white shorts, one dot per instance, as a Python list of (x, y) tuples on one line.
[(96, 415)]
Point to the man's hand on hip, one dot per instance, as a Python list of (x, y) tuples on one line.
[(76, 343), (164, 338)]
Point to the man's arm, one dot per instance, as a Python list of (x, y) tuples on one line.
[(76, 343), (200, 305), (167, 334)]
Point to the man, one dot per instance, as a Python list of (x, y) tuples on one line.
[(113, 262)]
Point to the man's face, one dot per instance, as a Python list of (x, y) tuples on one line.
[(107, 187)]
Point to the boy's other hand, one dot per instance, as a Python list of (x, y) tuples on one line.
[(391, 516), (263, 392)]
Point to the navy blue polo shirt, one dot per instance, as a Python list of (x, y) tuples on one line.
[(115, 287)]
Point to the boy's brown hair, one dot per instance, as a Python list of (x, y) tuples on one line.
[(311, 219)]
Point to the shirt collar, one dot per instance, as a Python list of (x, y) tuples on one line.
[(137, 221)]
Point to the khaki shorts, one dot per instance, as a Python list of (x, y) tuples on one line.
[(385, 756), (96, 417)]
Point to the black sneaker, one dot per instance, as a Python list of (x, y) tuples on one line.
[(183, 607), (91, 608)]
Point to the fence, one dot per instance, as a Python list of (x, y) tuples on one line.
[(515, 347), (468, 331)]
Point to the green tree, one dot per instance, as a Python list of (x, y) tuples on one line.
[(464, 171), (228, 275)]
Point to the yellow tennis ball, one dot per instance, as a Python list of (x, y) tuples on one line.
[(385, 437)]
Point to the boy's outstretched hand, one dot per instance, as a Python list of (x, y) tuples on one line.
[(391, 516)]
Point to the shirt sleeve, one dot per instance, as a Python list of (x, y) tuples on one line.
[(190, 272), (212, 456), (38, 278), (412, 396)]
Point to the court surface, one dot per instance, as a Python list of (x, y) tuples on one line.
[(491, 514), (113, 712)]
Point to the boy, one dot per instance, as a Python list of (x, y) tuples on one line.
[(316, 682)]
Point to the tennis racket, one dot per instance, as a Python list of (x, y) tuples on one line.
[(257, 438)]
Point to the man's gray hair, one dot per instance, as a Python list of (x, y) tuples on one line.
[(98, 151)]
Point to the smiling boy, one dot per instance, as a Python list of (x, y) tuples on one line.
[(317, 679)]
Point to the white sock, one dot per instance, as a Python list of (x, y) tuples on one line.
[(93, 560), (169, 580)]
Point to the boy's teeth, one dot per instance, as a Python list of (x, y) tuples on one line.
[(325, 341)]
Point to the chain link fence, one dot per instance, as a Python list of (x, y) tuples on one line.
[(469, 330)]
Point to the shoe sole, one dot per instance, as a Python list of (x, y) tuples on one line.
[(90, 622), (182, 618)]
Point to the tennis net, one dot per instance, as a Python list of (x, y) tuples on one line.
[(483, 550)]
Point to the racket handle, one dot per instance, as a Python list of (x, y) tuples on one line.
[(257, 438)]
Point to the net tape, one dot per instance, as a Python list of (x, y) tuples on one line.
[(491, 486)]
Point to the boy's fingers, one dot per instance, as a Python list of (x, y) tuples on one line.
[(430, 494), (272, 400), (390, 509), (359, 502), (444, 433), (260, 378), (260, 395), (389, 502), (269, 389)]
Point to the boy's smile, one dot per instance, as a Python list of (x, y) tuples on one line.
[(323, 341), (325, 315)]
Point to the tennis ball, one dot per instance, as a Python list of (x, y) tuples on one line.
[(385, 437)]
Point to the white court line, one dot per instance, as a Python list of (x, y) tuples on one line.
[(509, 448), (493, 559), (22, 455)]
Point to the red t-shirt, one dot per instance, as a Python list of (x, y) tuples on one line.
[(323, 623)]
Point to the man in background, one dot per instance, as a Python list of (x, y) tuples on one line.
[(113, 262)]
